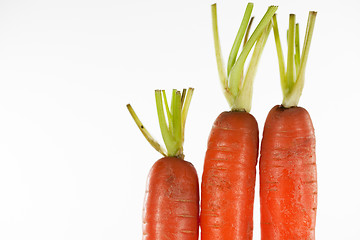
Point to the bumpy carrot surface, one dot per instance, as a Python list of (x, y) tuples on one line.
[(171, 208), (288, 181), (227, 189)]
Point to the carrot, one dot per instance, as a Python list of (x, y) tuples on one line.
[(171, 206), (228, 180), (288, 181), (172, 201)]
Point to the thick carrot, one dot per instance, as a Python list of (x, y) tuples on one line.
[(288, 180), (171, 206), (288, 185), (228, 181)]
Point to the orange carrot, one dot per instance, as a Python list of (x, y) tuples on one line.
[(171, 206), (228, 181), (288, 180), (288, 186)]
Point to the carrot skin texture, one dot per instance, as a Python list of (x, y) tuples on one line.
[(288, 175), (171, 206), (228, 181)]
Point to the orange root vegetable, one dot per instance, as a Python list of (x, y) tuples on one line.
[(288, 182), (288, 178), (171, 206), (228, 181)]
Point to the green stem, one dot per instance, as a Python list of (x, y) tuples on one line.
[(239, 37), (233, 82), (183, 94), (245, 97), (235, 75), (177, 114), (146, 134), (219, 60), (297, 49), (177, 121), (168, 113), (185, 109), (184, 113), (172, 125), (280, 55), (290, 74), (248, 31), (165, 132), (292, 99), (292, 89), (246, 38)]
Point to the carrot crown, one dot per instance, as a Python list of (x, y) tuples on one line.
[(236, 85), (172, 128), (292, 80)]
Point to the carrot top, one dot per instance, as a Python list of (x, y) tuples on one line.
[(172, 126), (237, 86), (292, 80)]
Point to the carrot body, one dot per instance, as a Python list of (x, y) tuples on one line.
[(171, 207), (228, 181), (288, 181)]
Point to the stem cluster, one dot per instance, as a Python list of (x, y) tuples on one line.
[(172, 124), (293, 78), (237, 86)]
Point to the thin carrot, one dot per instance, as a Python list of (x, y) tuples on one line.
[(171, 207), (288, 180), (228, 181)]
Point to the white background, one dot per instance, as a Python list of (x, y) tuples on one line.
[(73, 165)]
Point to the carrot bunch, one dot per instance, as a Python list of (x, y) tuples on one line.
[(228, 180), (288, 181), (288, 178), (171, 207)]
